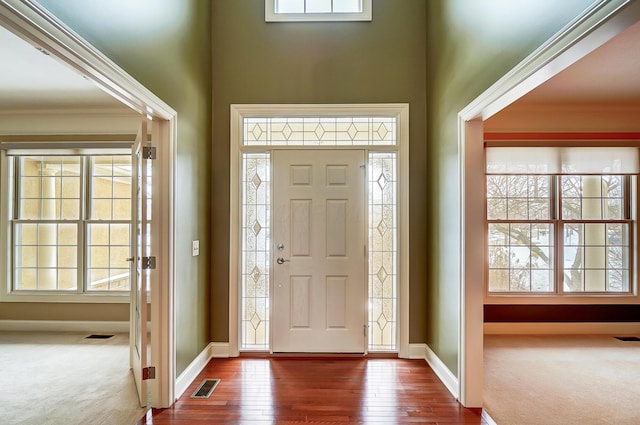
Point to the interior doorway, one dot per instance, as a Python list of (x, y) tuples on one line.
[(599, 23), (36, 26)]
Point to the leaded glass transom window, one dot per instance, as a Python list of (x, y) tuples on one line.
[(320, 131)]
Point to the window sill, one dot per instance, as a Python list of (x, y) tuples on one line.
[(21, 297), (625, 298)]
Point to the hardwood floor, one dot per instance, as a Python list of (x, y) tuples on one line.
[(257, 391)]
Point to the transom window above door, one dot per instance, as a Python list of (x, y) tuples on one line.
[(317, 10)]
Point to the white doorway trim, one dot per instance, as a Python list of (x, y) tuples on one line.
[(238, 113), (599, 23), (37, 26)]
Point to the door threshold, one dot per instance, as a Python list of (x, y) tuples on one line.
[(266, 354)]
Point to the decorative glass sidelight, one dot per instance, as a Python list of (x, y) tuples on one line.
[(256, 199), (383, 251)]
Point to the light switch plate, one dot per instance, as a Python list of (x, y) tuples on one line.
[(195, 248)]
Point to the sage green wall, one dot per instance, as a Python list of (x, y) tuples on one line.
[(471, 44), (166, 46), (347, 62)]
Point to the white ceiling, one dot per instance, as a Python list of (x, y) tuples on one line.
[(609, 74), (31, 79)]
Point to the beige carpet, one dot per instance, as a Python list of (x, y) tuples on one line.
[(63, 378), (563, 380)]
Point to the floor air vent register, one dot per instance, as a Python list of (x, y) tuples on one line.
[(206, 388), (628, 338)]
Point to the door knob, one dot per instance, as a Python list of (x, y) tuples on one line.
[(281, 260)]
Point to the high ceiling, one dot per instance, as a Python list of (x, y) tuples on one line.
[(609, 74), (31, 79)]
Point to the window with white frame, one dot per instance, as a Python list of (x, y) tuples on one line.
[(317, 10), (560, 220), (69, 223)]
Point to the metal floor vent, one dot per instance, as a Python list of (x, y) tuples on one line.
[(627, 338), (95, 336), (206, 388)]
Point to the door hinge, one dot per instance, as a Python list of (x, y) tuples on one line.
[(148, 373), (148, 263), (149, 152)]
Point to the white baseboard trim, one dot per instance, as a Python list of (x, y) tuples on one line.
[(213, 350), (561, 328), (422, 351), (219, 349), (63, 326), (191, 372)]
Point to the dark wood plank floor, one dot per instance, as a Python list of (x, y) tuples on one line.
[(257, 391)]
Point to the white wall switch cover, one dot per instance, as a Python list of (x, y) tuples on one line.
[(195, 248)]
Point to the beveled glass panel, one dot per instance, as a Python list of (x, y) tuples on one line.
[(382, 249), (255, 247), (319, 131)]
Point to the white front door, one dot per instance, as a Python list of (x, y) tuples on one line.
[(319, 258)]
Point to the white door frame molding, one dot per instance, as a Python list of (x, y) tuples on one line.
[(37, 26), (597, 24), (238, 113)]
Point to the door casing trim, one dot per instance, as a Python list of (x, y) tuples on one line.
[(241, 111)]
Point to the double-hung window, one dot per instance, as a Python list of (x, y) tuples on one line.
[(561, 220), (69, 222)]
